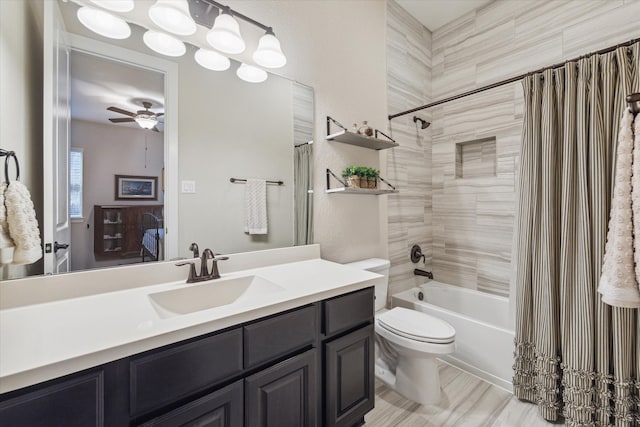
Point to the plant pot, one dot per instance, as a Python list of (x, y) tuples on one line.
[(372, 183), (353, 181)]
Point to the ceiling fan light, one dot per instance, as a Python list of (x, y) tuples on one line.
[(173, 16), (225, 35), (146, 121), (163, 43), (212, 60), (103, 23), (251, 74), (115, 5), (269, 54)]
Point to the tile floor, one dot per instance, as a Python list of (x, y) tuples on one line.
[(467, 402)]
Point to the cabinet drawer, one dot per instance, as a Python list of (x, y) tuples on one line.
[(347, 311), (278, 336), (168, 375), (222, 408), (73, 402)]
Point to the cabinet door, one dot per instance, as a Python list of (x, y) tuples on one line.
[(283, 395), (72, 402), (222, 408), (349, 377)]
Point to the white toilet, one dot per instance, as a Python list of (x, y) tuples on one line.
[(407, 343)]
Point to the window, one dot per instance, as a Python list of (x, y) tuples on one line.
[(75, 183)]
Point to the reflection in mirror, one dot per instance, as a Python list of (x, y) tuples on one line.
[(226, 128)]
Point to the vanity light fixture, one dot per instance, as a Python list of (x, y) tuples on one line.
[(251, 74), (103, 23), (146, 121), (225, 34), (122, 6), (163, 43), (173, 16), (212, 60), (269, 54)]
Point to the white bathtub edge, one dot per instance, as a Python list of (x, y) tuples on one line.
[(479, 373)]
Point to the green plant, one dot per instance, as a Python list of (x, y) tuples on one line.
[(349, 171)]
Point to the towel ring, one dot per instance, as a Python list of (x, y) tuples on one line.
[(11, 154)]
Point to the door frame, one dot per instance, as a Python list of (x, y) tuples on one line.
[(171, 106)]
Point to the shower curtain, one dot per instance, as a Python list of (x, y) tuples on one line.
[(303, 200), (574, 355)]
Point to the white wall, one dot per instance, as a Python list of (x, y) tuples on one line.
[(109, 150), (21, 102)]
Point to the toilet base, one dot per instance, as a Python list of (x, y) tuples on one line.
[(416, 379)]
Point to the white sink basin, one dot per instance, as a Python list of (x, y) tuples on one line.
[(211, 294)]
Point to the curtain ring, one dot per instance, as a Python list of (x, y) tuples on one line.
[(6, 166)]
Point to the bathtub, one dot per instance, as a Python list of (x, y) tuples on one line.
[(484, 343)]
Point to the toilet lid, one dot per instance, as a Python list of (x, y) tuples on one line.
[(416, 325)]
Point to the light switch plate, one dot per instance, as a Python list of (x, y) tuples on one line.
[(188, 186)]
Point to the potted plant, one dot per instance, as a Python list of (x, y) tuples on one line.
[(351, 174), (372, 177)]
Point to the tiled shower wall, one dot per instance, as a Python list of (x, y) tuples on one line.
[(469, 232), (408, 166)]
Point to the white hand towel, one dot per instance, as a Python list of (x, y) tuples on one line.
[(6, 242), (618, 284), (255, 209), (23, 226), (635, 200)]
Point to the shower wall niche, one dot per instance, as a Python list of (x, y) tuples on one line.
[(476, 159)]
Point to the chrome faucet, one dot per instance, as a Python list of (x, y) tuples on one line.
[(204, 275)]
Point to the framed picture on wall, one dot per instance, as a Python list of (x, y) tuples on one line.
[(129, 187)]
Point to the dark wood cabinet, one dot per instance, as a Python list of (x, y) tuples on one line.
[(279, 371), (222, 408), (75, 401), (117, 231), (349, 377), (283, 395)]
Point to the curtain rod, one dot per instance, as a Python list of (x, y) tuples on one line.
[(511, 79)]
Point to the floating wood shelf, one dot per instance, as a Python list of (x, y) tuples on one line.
[(353, 190), (352, 138), (356, 190)]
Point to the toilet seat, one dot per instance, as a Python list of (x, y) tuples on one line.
[(418, 326)]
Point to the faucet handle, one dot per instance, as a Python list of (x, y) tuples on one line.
[(192, 270), (221, 258)]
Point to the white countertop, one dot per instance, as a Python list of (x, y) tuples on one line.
[(49, 339)]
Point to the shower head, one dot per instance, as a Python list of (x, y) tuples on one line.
[(423, 123)]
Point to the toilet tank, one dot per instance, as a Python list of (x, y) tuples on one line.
[(379, 266)]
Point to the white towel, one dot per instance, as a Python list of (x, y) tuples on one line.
[(6, 242), (255, 206), (618, 284), (23, 226)]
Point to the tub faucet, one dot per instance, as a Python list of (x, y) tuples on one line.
[(426, 274)]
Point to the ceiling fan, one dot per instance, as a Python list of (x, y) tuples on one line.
[(145, 118)]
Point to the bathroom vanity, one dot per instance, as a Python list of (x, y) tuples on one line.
[(299, 356)]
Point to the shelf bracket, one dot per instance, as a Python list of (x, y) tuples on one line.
[(385, 135), (331, 119)]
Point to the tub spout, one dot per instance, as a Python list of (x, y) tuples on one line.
[(419, 272)]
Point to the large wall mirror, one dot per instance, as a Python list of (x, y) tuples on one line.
[(122, 175)]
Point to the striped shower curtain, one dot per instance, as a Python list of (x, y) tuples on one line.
[(574, 355)]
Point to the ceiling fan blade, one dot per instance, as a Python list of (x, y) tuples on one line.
[(159, 114), (123, 120), (155, 129), (121, 111)]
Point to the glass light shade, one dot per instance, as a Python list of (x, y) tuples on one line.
[(269, 54), (164, 44), (104, 23), (212, 60), (173, 16), (251, 74), (225, 35), (146, 121), (115, 5)]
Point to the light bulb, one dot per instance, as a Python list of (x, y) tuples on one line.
[(103, 23), (269, 54), (164, 44), (212, 60), (146, 121), (225, 35), (173, 16), (251, 74)]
